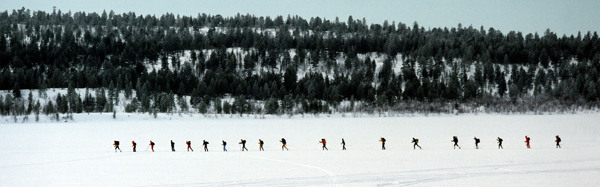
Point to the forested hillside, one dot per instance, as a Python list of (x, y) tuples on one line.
[(286, 65)]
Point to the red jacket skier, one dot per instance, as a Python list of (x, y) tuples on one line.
[(527, 141), (152, 145), (324, 144), (116, 144), (134, 145), (189, 144)]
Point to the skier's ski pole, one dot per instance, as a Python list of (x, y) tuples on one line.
[(147, 148)]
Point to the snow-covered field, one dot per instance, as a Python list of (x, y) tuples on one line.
[(80, 153)]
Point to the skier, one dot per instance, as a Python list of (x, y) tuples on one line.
[(527, 139), (558, 140), (324, 144), (382, 140), (343, 144), (416, 143), (477, 140), (260, 145), (134, 145), (455, 140), (151, 145), (224, 145), (243, 142), (205, 143), (500, 140), (172, 146), (189, 144), (284, 143), (116, 144)]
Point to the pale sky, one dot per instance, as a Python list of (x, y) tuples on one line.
[(528, 16)]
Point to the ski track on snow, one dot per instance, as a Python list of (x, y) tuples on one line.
[(403, 178), (66, 161), (331, 178), (331, 175)]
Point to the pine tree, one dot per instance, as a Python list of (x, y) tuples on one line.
[(183, 106), (202, 108), (193, 57), (111, 96), (453, 89), (501, 85), (79, 105), (128, 90), (100, 100), (218, 105), (227, 107), (271, 106), (72, 97), (37, 107), (288, 103), (29, 103), (89, 103), (62, 104), (16, 91), (49, 108)]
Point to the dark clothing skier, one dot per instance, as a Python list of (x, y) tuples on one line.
[(382, 140), (224, 145), (189, 144), (558, 140), (477, 140), (116, 144), (416, 143), (455, 140), (260, 145), (343, 144), (283, 142), (134, 145), (324, 144), (205, 143), (527, 139), (151, 145), (500, 140), (172, 146), (243, 142)]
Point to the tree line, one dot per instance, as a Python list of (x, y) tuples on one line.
[(288, 64)]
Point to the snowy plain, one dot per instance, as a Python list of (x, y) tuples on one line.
[(80, 152)]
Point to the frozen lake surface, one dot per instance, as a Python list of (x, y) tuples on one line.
[(80, 153)]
